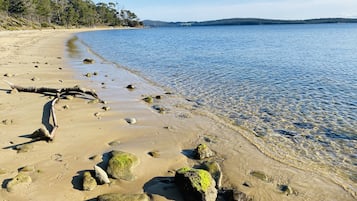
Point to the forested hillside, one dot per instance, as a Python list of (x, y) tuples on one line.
[(15, 14)]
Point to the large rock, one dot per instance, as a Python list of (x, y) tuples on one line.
[(19, 181), (202, 151), (89, 182), (196, 184), (215, 170), (121, 165), (123, 197)]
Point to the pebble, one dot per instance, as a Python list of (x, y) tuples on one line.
[(88, 75), (154, 154), (131, 120), (130, 86), (106, 108), (35, 79), (88, 61), (66, 107)]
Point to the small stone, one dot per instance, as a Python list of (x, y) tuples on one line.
[(121, 165), (154, 154), (36, 66), (260, 175), (158, 97), (247, 184), (123, 197), (131, 120), (285, 189), (97, 114), (101, 175), (106, 108), (18, 181), (60, 68), (89, 182), (9, 75), (130, 86), (88, 75), (88, 61), (202, 151), (66, 107), (148, 99), (35, 79), (61, 81), (95, 73), (24, 148)]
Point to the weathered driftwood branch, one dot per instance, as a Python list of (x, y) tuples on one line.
[(58, 93)]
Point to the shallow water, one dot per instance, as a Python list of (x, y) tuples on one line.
[(293, 87)]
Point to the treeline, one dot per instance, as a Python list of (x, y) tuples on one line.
[(247, 21), (69, 13)]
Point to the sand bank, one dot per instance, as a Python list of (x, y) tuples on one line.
[(37, 58)]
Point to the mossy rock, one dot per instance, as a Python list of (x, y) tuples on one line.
[(123, 197), (18, 181), (202, 151), (89, 183), (196, 184), (215, 170), (148, 99), (121, 165)]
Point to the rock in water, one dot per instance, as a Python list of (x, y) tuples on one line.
[(196, 184), (202, 151), (215, 170), (101, 175), (18, 181), (88, 61), (89, 182), (123, 197), (121, 165)]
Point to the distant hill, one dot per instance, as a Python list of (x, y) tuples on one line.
[(247, 21)]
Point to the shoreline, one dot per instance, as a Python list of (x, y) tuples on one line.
[(81, 135)]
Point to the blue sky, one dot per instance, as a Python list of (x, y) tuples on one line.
[(199, 10)]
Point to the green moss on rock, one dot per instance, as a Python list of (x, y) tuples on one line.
[(200, 179), (123, 197), (121, 164)]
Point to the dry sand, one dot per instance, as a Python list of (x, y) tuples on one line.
[(58, 165)]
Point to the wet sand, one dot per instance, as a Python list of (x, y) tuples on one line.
[(83, 139)]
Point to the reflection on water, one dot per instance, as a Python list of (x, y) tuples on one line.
[(72, 48)]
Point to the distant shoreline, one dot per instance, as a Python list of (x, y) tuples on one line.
[(247, 21)]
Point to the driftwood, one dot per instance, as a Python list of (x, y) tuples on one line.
[(58, 94)]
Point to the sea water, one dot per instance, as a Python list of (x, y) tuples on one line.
[(292, 87)]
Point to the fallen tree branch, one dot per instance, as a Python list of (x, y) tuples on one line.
[(58, 94)]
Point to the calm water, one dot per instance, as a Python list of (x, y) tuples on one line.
[(292, 86)]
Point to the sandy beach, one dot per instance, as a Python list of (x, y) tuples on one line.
[(87, 133)]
